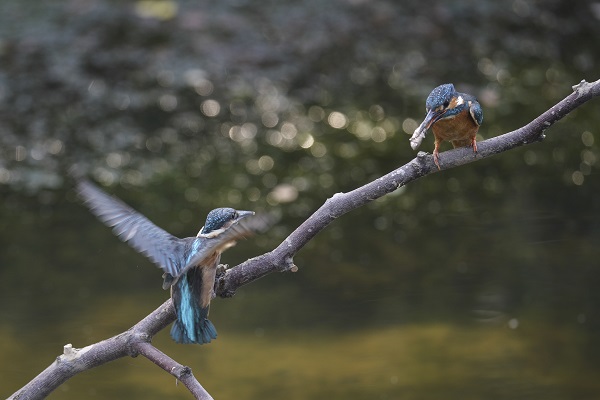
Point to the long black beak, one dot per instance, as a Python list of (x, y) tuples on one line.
[(243, 214), (431, 118)]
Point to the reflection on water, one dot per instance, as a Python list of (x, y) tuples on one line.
[(414, 361), (480, 282)]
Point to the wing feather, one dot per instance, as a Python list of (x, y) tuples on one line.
[(132, 227)]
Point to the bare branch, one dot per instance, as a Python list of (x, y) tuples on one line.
[(134, 341), (281, 259), (181, 372)]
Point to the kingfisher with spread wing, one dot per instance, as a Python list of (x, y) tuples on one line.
[(189, 264)]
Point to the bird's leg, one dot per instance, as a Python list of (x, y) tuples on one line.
[(474, 144), (436, 158)]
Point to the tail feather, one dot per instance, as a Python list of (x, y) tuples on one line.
[(206, 331), (203, 332), (192, 324)]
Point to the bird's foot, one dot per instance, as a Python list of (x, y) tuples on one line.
[(436, 160), (221, 270)]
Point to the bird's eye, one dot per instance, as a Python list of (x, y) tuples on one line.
[(234, 216), (446, 104)]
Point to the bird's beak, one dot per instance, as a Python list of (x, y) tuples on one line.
[(244, 214), (431, 118)]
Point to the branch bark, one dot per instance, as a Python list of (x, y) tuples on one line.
[(137, 339)]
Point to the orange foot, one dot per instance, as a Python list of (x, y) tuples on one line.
[(436, 159)]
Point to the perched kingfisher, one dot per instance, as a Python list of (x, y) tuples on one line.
[(453, 116), (189, 264)]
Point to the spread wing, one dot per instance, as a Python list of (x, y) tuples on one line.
[(139, 232), (242, 229), (203, 248)]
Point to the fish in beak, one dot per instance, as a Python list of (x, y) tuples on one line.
[(419, 134)]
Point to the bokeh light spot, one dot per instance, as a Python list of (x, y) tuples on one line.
[(234, 196), (376, 112), (269, 119), (530, 157), (114, 160), (192, 194), (325, 180), (157, 9), (587, 138), (337, 120), (252, 167), (306, 140), (288, 130), (4, 175), (253, 194), (378, 134), (409, 125), (316, 113), (54, 146), (362, 129), (577, 178), (249, 130), (318, 149), (154, 144), (588, 157), (283, 193), (20, 153), (197, 79), (274, 138), (210, 108), (266, 163), (167, 102)]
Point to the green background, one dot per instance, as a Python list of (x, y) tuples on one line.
[(478, 282)]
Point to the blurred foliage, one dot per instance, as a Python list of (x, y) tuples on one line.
[(180, 107)]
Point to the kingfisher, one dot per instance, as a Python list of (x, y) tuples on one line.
[(189, 264), (452, 116)]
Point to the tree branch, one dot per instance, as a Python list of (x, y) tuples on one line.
[(281, 259), (137, 339), (134, 341)]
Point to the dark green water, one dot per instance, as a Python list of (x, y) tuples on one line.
[(478, 282)]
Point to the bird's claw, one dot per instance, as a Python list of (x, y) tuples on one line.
[(222, 269)]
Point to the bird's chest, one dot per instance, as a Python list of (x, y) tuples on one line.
[(204, 279), (460, 126)]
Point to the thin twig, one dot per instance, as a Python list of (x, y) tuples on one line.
[(181, 372)]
